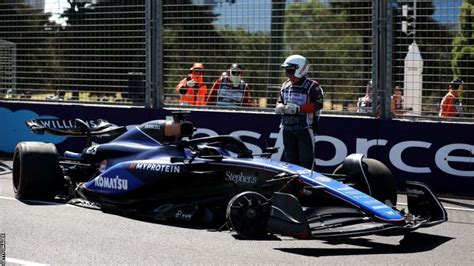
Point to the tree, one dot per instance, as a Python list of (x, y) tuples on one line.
[(463, 50), (189, 37), (102, 43), (30, 30), (433, 39), (326, 39)]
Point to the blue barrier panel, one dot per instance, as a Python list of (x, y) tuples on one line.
[(440, 154)]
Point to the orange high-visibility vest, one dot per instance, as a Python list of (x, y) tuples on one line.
[(193, 96)]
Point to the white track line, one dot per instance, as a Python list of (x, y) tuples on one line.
[(23, 262), (447, 208), (36, 201), (7, 198)]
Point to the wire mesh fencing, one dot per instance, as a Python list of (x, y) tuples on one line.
[(86, 51), (98, 51)]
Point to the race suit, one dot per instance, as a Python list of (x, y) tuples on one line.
[(298, 129)]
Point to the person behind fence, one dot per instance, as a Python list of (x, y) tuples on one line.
[(192, 89), (300, 105), (229, 90), (451, 105), (397, 101), (364, 104)]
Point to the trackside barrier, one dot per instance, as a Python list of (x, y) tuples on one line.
[(428, 152)]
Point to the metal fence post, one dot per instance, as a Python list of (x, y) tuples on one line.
[(154, 55), (158, 58), (382, 58), (148, 52), (388, 60), (375, 52)]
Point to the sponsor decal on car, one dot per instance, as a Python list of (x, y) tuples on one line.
[(153, 126), (92, 150), (154, 167), (323, 179), (413, 192), (64, 124), (180, 215), (344, 188), (112, 183), (381, 207), (240, 178)]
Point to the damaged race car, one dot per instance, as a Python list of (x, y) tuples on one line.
[(157, 170)]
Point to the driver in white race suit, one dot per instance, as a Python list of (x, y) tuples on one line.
[(300, 105)]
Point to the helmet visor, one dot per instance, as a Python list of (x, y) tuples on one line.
[(290, 71), (235, 72)]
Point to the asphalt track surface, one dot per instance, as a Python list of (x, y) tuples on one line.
[(58, 234)]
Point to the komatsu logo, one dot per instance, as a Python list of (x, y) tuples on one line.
[(240, 178), (112, 183), (165, 168)]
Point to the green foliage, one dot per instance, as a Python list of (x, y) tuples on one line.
[(102, 45), (463, 51), (331, 45), (30, 31), (250, 49)]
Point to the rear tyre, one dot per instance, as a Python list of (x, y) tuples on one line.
[(248, 214), (36, 171), (381, 181)]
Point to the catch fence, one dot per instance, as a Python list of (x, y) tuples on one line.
[(135, 52)]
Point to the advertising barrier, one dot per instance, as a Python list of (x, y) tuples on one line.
[(440, 154)]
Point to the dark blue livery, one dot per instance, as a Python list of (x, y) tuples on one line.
[(157, 170)]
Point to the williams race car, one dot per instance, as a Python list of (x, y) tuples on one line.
[(157, 170)]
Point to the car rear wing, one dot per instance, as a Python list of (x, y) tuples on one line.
[(75, 127)]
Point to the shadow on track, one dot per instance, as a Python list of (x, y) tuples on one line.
[(411, 243), (457, 203)]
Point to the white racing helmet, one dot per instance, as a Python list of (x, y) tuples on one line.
[(297, 62), (235, 73)]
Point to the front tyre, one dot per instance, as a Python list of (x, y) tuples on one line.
[(248, 214), (381, 182), (36, 171)]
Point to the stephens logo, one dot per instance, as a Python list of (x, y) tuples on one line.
[(240, 178), (154, 167), (112, 183)]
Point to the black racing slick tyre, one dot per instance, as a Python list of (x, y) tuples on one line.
[(248, 214), (36, 171), (382, 184)]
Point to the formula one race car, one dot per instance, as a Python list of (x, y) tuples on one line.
[(156, 170)]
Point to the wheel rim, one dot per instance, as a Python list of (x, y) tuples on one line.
[(248, 214)]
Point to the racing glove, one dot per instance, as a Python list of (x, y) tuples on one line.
[(289, 108), (292, 108), (280, 109), (191, 83)]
